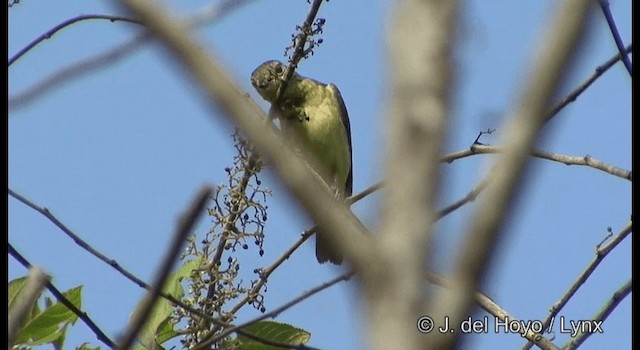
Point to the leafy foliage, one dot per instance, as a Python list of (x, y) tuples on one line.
[(47, 325)]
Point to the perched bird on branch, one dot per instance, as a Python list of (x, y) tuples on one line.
[(314, 114)]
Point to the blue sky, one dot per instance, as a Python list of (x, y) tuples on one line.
[(118, 154)]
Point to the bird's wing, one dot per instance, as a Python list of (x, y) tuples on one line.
[(345, 121)]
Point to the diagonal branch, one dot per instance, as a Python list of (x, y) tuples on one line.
[(78, 69), (600, 316), (601, 253), (275, 312), (604, 5), (298, 50), (79, 241), (494, 309), (49, 33), (265, 273), (600, 70)]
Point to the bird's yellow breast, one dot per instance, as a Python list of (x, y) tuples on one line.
[(322, 131)]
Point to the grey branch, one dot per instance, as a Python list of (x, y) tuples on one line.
[(600, 317), (494, 309), (557, 45), (601, 253)]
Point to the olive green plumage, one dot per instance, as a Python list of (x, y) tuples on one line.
[(315, 114)]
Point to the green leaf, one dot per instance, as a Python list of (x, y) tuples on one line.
[(159, 328), (58, 344), (85, 346), (49, 325), (166, 331), (274, 331), (15, 290)]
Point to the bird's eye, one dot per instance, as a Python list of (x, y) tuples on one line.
[(279, 69)]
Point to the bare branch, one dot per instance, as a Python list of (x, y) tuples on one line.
[(601, 253), (604, 5), (521, 132), (469, 197), (49, 33), (185, 227), (600, 70), (586, 160), (299, 50), (275, 312), (114, 264), (595, 326), (61, 298), (494, 309), (79, 241), (78, 69), (265, 273)]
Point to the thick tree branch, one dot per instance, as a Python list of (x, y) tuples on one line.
[(421, 63), (558, 43)]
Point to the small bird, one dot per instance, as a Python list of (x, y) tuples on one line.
[(315, 114)]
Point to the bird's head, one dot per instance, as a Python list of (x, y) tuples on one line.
[(267, 78)]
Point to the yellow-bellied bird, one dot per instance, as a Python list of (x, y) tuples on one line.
[(315, 114)]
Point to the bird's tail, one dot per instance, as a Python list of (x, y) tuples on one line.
[(324, 252)]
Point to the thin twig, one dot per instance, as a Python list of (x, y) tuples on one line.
[(298, 50), (234, 213), (265, 273), (114, 264), (595, 325), (604, 5), (49, 33), (364, 193), (276, 311), (469, 197), (78, 69), (61, 298), (494, 309), (600, 70), (79, 241), (601, 253), (586, 160), (185, 227)]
